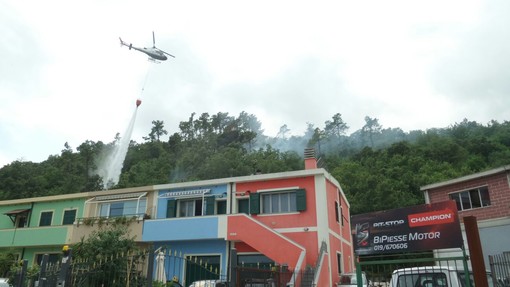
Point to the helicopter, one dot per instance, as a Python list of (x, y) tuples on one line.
[(153, 53)]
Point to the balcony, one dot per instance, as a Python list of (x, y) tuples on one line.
[(35, 236), (85, 226), (185, 228)]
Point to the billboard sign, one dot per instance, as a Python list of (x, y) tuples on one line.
[(416, 228)]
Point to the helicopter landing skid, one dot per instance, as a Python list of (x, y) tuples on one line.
[(153, 60)]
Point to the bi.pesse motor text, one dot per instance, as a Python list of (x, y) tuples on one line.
[(398, 242)]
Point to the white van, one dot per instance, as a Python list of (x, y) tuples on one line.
[(351, 280), (433, 276)]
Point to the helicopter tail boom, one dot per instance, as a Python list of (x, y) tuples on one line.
[(122, 43)]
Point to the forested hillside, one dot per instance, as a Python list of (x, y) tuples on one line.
[(378, 168)]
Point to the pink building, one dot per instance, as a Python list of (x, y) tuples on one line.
[(298, 220)]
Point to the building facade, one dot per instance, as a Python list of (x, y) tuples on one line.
[(484, 195), (293, 219)]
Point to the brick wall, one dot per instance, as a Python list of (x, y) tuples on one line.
[(499, 193)]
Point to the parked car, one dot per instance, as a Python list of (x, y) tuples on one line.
[(351, 280), (433, 276), (4, 282)]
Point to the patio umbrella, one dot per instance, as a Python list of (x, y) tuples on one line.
[(160, 267)]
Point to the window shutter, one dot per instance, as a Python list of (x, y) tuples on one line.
[(243, 205), (254, 203), (171, 208), (209, 205), (301, 199), (45, 219), (69, 217), (337, 215), (221, 207)]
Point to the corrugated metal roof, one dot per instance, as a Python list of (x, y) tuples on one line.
[(17, 211)]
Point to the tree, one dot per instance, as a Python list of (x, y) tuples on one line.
[(220, 121), (111, 247), (282, 133), (337, 127), (318, 136), (7, 259), (371, 128), (157, 131)]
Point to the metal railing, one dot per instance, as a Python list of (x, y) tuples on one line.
[(500, 269)]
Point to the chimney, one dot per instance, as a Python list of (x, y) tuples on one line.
[(310, 161)]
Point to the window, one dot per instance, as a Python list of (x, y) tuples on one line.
[(473, 198), (69, 217), (243, 206), (123, 208), (189, 208), (428, 279), (221, 207), (342, 215), (279, 202), (21, 220), (337, 212), (45, 219), (276, 202), (18, 217)]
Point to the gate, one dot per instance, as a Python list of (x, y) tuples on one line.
[(201, 268), (500, 268), (379, 269)]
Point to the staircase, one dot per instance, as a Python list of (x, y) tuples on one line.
[(272, 244)]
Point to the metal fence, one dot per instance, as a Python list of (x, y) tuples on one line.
[(275, 276), (379, 269), (500, 268), (127, 270)]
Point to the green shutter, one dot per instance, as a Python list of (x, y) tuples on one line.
[(221, 207), (301, 199), (243, 205), (69, 217), (171, 208), (209, 205), (254, 203), (46, 217)]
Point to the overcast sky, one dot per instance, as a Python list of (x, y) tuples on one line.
[(410, 64)]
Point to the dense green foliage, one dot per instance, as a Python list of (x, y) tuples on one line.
[(107, 253), (377, 168), (7, 258)]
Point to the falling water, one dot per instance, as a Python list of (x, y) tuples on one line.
[(111, 167)]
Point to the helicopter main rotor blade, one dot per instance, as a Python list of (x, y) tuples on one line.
[(153, 39), (168, 54)]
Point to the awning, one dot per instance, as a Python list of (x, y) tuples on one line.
[(119, 196), (184, 193), (17, 211)]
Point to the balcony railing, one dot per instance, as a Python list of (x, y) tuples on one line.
[(106, 220)]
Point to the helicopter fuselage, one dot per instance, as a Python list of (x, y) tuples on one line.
[(152, 52)]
